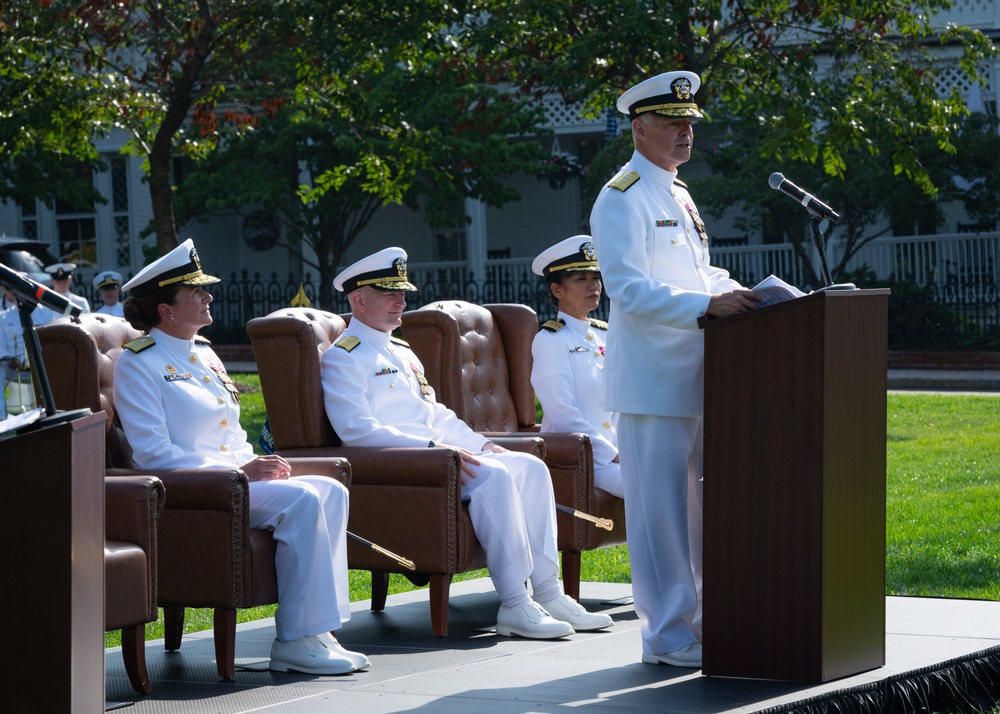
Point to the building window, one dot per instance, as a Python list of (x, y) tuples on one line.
[(76, 227), (119, 209), (29, 220)]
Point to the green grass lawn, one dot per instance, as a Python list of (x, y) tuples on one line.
[(943, 509)]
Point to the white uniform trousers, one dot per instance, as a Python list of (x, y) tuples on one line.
[(609, 478), (308, 515), (513, 513), (661, 460)]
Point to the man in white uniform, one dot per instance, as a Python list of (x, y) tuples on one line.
[(653, 249), (62, 279), (376, 395), (108, 285)]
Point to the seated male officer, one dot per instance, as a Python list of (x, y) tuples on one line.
[(376, 395)]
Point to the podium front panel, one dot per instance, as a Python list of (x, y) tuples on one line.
[(794, 572)]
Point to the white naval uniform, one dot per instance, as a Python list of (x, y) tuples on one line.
[(376, 395), (567, 373), (659, 279), (12, 345), (178, 413), (115, 309)]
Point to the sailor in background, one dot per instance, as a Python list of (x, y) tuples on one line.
[(62, 279), (568, 353), (180, 409), (108, 285)]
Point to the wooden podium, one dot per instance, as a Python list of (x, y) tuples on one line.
[(795, 437), (54, 566)]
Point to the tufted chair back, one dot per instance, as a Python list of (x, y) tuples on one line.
[(478, 359), (84, 377), (290, 343)]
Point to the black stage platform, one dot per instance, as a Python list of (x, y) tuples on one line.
[(941, 655)]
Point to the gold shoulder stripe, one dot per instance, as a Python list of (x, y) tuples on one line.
[(139, 343), (680, 183), (202, 340), (623, 181), (348, 342), (554, 325), (599, 324), (398, 341)]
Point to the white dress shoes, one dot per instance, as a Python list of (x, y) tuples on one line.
[(359, 659), (566, 609), (529, 619), (309, 655), (689, 656)]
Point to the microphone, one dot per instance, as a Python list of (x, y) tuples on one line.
[(812, 204), (27, 290)]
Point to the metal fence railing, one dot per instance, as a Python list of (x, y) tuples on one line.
[(944, 288)]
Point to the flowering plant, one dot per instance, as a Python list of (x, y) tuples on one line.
[(560, 165)]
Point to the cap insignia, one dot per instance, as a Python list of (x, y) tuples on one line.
[(682, 88), (400, 265), (588, 251)]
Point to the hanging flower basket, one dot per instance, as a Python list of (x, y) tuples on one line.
[(558, 167)]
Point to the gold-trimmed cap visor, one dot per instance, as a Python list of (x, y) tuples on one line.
[(573, 255), (385, 270), (670, 94), (180, 266)]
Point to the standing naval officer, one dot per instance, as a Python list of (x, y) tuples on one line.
[(108, 285), (653, 249), (376, 395)]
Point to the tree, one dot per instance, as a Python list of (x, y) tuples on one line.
[(167, 71), (48, 114), (409, 115)]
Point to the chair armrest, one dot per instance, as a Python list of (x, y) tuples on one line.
[(335, 467), (132, 505), (570, 458), (197, 489), (390, 466), (515, 441)]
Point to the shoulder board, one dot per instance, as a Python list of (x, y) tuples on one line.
[(680, 183), (139, 343), (348, 342), (623, 181), (202, 340), (554, 325), (599, 324), (398, 341)]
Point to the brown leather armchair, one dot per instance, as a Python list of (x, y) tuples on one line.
[(132, 507), (478, 360), (209, 557), (406, 500)]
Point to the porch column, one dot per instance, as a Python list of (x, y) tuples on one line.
[(475, 237)]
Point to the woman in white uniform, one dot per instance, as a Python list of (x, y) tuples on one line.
[(568, 356), (180, 409)]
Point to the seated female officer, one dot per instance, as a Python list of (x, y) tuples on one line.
[(180, 409), (568, 356)]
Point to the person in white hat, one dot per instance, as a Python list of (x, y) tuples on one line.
[(568, 353), (376, 395), (654, 254), (14, 368), (62, 279), (180, 409), (108, 284)]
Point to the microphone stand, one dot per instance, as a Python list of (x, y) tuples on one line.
[(817, 234), (33, 349)]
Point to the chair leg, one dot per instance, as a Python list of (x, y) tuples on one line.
[(380, 589), (134, 656), (173, 628), (440, 587), (225, 642), (571, 573)]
